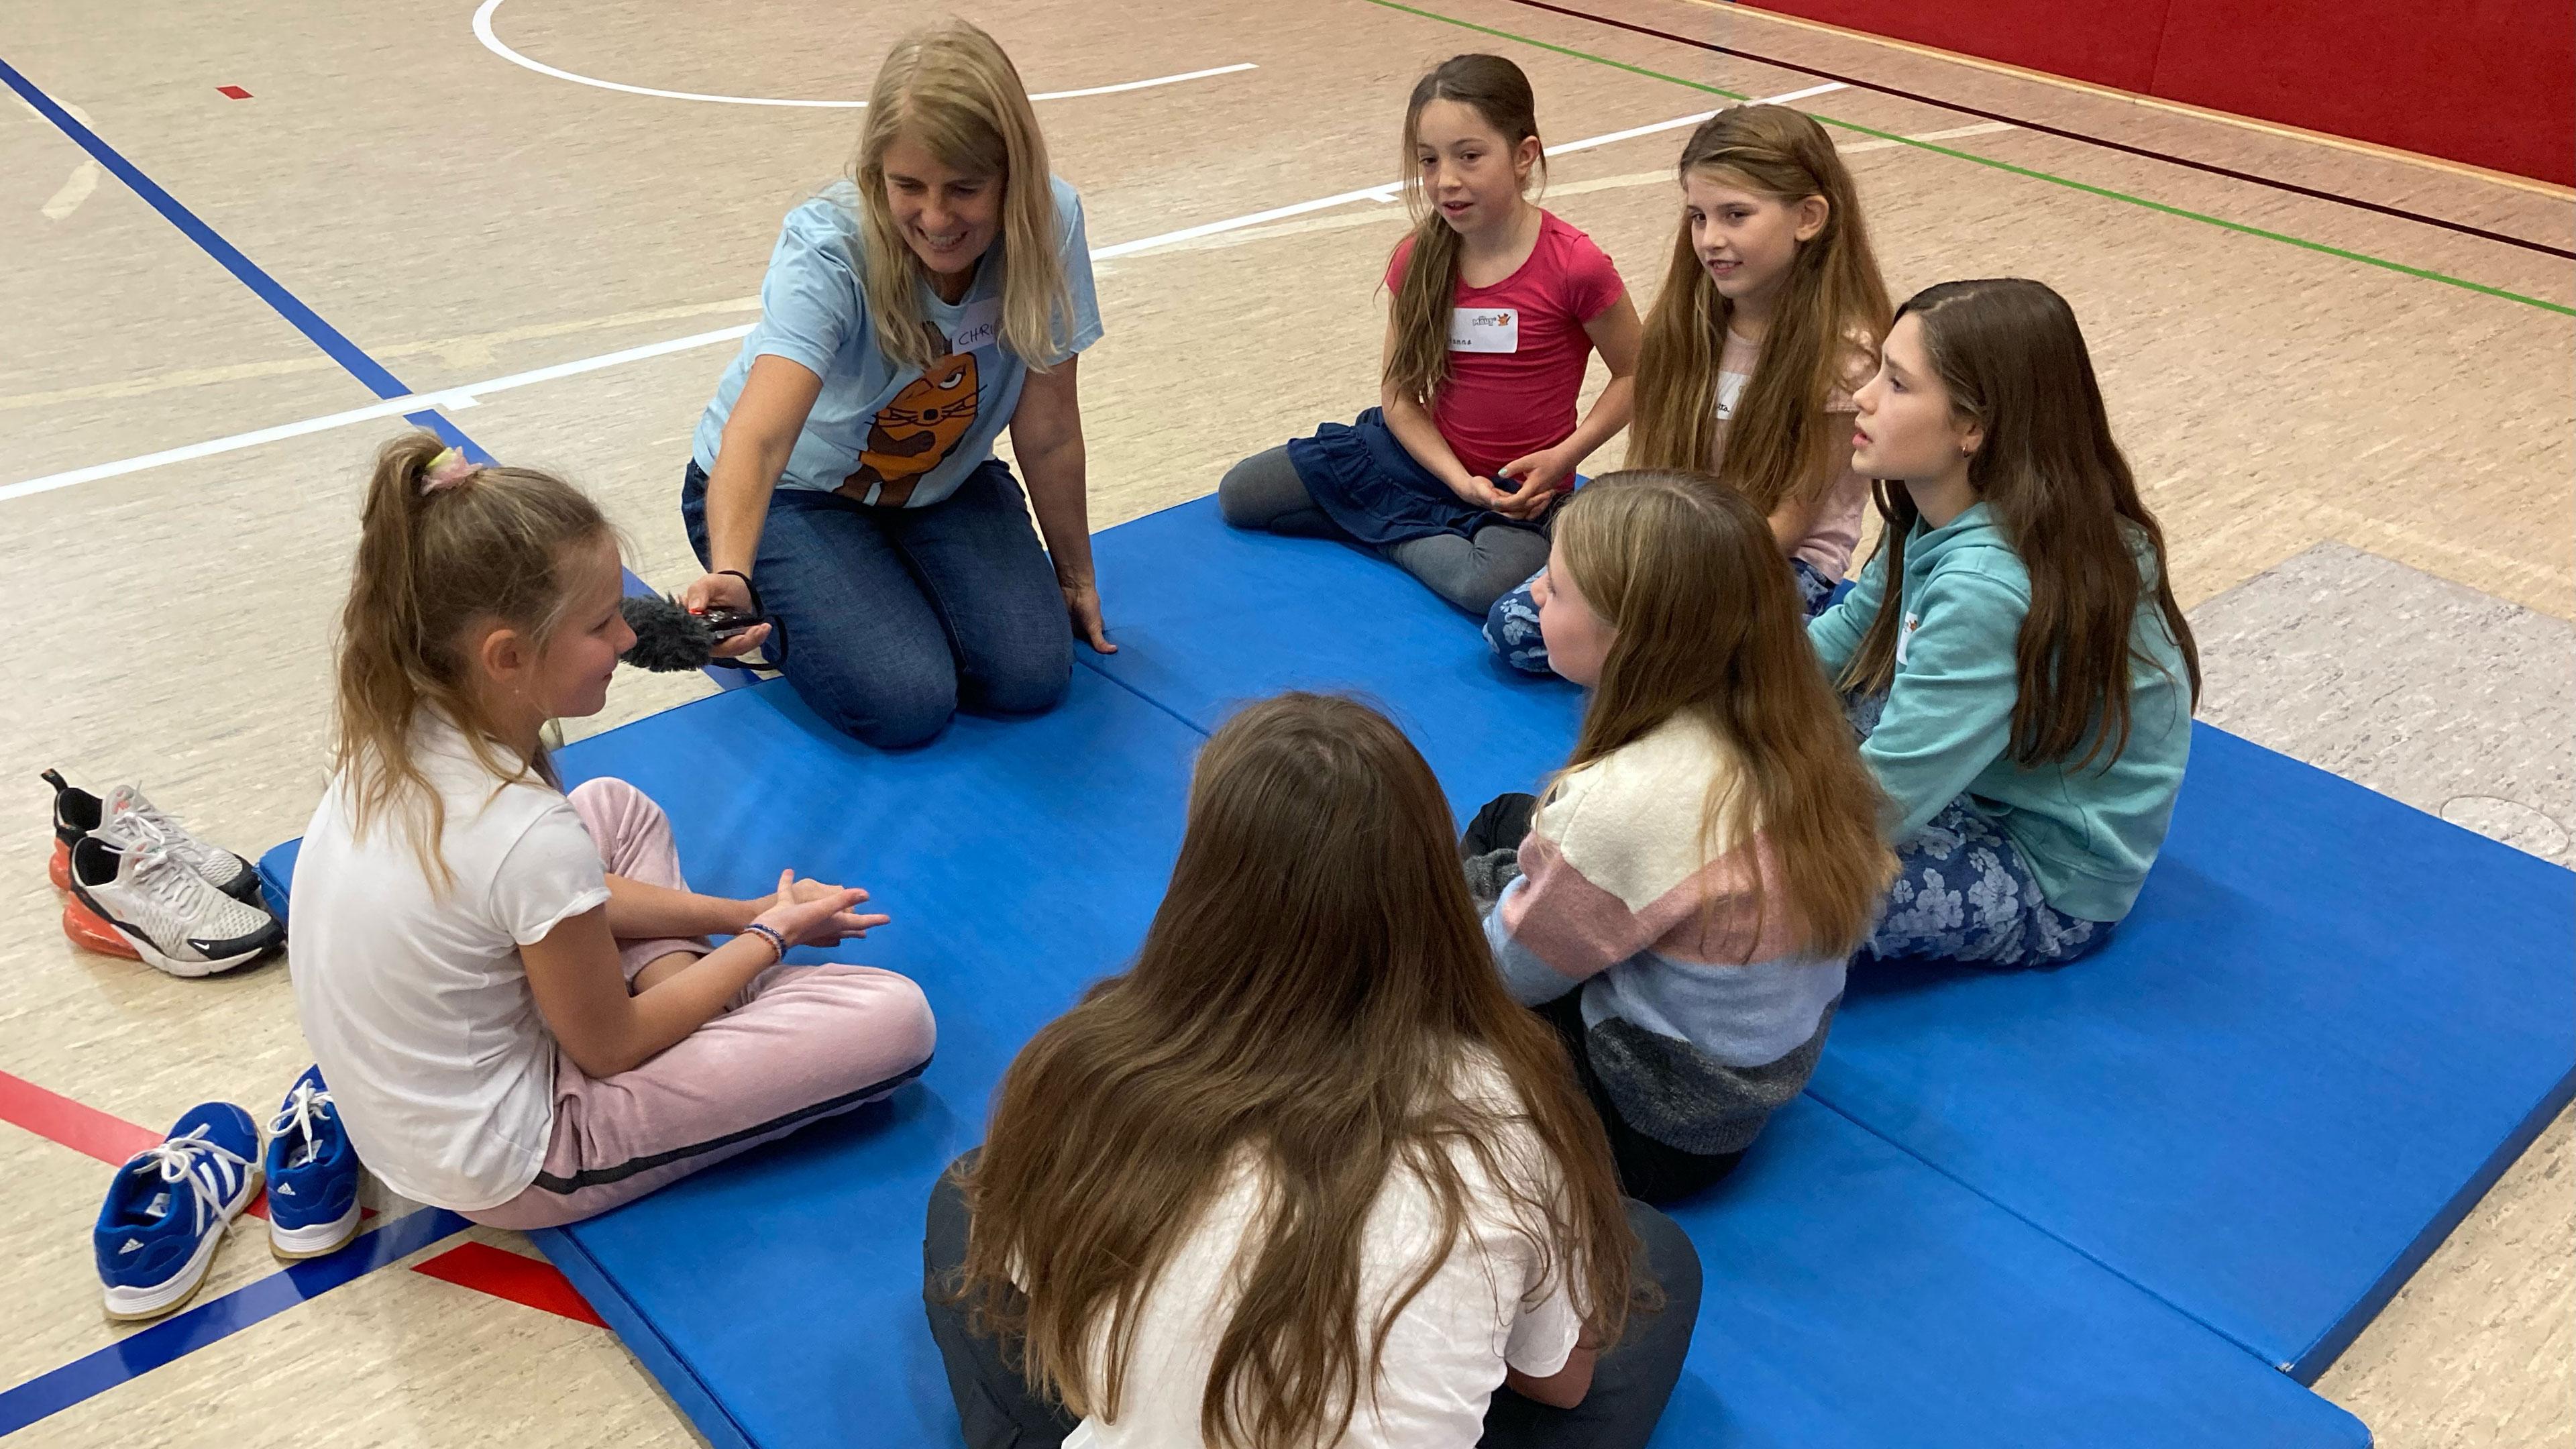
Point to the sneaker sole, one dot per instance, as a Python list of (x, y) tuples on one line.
[(294, 1245), (58, 866), (135, 1305), (152, 956), (90, 933)]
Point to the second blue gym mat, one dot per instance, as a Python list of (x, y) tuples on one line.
[(2331, 1023)]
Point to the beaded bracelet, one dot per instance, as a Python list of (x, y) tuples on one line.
[(777, 942)]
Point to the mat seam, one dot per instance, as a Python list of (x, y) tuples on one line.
[(1187, 723)]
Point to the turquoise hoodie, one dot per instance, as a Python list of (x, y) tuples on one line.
[(2088, 835)]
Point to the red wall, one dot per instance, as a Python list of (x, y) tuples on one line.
[(2489, 82)]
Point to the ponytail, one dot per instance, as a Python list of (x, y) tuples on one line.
[(1418, 364), (441, 543)]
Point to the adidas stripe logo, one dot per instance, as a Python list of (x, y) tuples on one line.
[(284, 1189), (132, 1245)]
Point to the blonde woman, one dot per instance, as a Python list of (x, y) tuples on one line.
[(844, 478)]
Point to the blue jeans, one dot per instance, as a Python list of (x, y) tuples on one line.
[(897, 617), (1963, 892), (1511, 625)]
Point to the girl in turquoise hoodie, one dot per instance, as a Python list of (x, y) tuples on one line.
[(2025, 685)]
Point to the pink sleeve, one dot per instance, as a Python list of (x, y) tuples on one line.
[(1591, 280), (1395, 265)]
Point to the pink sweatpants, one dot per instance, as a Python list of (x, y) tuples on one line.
[(800, 1043)]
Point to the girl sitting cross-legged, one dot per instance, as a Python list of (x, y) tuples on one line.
[(1498, 309), (1680, 901), (2014, 653), (510, 989), (1304, 1175)]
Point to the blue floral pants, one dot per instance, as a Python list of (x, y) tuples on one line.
[(1963, 892), (1511, 625)]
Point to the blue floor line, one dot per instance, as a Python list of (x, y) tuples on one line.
[(216, 1319)]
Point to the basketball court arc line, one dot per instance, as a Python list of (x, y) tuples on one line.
[(493, 43)]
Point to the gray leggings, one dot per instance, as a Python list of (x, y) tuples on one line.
[(1264, 491)]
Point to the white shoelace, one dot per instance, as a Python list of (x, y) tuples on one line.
[(191, 1159), (303, 1106), (161, 875)]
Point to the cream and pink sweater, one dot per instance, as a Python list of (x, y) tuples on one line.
[(1702, 1013)]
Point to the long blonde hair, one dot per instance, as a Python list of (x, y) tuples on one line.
[(491, 545), (950, 87), (1779, 443), (1710, 627), (1308, 990), (1426, 294)]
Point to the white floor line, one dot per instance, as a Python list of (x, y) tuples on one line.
[(466, 395), (494, 44)]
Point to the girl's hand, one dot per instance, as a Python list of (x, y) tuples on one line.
[(809, 912), (1082, 606), (724, 591), (1541, 476)]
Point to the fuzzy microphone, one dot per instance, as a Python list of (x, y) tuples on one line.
[(668, 638)]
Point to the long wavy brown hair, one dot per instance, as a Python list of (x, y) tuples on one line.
[(490, 546), (1426, 294), (1308, 992), (1780, 442), (1711, 628), (2012, 359)]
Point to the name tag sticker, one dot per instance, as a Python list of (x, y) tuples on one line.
[(1484, 329), (979, 326), (1905, 637)]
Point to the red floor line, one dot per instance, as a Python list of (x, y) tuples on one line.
[(504, 1274)]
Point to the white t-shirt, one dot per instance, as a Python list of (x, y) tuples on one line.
[(415, 1002), (1489, 1305)]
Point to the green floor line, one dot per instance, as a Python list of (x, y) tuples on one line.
[(2005, 166)]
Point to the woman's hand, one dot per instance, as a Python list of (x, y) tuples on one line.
[(1082, 605), (811, 913), (725, 591)]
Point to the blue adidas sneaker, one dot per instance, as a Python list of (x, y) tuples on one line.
[(312, 1174), (166, 1212)]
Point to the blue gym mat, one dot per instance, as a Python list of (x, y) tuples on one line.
[(2331, 1023)]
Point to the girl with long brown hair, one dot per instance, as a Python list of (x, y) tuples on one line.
[(2013, 652), (1304, 1175), (1769, 317), (1498, 308), (509, 988), (1680, 902)]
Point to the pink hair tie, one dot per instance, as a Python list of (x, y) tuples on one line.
[(446, 471)]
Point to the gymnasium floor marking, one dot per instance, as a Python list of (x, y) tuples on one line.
[(110, 1139), (494, 44), (216, 1319), (2006, 166), (411, 405), (2089, 140)]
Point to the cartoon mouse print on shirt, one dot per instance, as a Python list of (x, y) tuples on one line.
[(918, 428)]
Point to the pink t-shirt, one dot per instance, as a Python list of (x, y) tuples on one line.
[(1517, 349), (1836, 530)]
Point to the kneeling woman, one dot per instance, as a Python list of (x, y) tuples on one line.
[(845, 469), (2013, 652), (1304, 1175), (1681, 904)]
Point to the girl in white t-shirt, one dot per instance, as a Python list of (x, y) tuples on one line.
[(1304, 1175), (510, 990)]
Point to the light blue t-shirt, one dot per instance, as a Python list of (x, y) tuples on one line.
[(899, 436)]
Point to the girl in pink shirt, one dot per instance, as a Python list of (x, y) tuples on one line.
[(1475, 435)]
